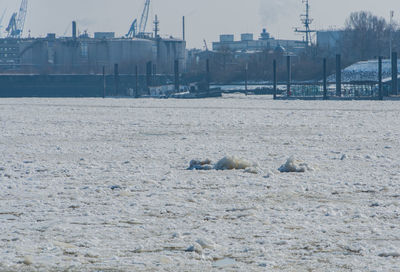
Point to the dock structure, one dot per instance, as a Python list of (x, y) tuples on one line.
[(380, 82)]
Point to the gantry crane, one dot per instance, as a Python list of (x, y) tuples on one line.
[(17, 21), (144, 18), (140, 31), (1, 20), (132, 30)]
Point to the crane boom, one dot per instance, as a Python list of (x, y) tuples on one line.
[(22, 16), (12, 25), (133, 30), (2, 18), (17, 21), (145, 17)]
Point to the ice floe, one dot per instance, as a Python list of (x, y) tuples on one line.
[(294, 165)]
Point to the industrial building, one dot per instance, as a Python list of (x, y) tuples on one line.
[(83, 54), (88, 55), (248, 43)]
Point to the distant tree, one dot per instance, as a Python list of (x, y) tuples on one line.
[(366, 36)]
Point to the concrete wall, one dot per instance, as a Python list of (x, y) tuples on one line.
[(73, 85), (169, 50)]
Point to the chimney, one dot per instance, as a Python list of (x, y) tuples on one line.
[(74, 29), (183, 28)]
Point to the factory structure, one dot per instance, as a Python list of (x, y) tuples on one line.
[(247, 43), (81, 53), (329, 40), (85, 54)]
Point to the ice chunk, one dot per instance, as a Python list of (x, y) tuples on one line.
[(251, 170), (226, 163), (200, 165), (294, 165), (195, 248), (204, 243), (28, 260), (231, 163)]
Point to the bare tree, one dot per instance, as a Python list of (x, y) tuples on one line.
[(366, 36)]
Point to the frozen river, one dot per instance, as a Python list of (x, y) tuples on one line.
[(102, 185)]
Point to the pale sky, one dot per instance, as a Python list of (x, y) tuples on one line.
[(206, 19)]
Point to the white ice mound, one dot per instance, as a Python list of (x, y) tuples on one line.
[(200, 165), (294, 165), (232, 162)]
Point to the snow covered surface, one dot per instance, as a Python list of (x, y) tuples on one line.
[(365, 71), (102, 185)]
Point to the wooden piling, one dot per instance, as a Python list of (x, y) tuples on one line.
[(338, 76), (380, 94), (246, 71), (275, 79), (116, 78), (325, 80), (208, 74), (104, 82), (289, 74), (394, 74), (176, 71), (149, 69), (136, 81), (154, 72)]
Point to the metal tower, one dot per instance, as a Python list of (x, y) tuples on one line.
[(306, 21), (144, 18), (156, 27), (17, 21)]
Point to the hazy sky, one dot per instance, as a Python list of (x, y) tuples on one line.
[(206, 19)]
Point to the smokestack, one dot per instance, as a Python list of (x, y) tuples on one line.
[(74, 29), (183, 28)]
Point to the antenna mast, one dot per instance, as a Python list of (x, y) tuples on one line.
[(156, 27), (306, 21)]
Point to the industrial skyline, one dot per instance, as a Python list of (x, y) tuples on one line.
[(278, 16)]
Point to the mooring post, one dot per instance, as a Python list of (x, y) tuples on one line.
[(338, 76), (275, 79), (116, 78), (136, 81), (325, 80), (380, 78), (289, 74), (155, 81), (149, 66), (246, 71), (208, 74), (176, 70), (394, 74), (104, 82)]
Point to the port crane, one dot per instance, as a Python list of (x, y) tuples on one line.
[(1, 20), (140, 30), (144, 18), (205, 44), (17, 21), (133, 30)]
